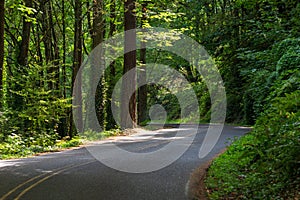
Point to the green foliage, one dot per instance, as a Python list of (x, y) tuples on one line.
[(266, 162), (15, 147), (177, 113), (68, 143), (242, 36), (263, 56), (269, 74), (33, 124), (204, 101), (255, 44)]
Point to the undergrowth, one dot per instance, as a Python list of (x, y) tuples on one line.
[(17, 147), (264, 164)]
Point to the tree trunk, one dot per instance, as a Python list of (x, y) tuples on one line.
[(65, 122), (2, 18), (98, 23), (64, 72), (46, 26), (142, 92), (128, 112), (22, 58), (112, 72), (76, 65), (55, 48), (24, 47), (98, 35)]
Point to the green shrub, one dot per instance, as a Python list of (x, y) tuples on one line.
[(32, 112), (67, 143), (264, 164)]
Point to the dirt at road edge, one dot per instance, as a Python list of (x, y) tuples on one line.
[(196, 186)]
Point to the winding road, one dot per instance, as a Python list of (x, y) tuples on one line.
[(76, 174)]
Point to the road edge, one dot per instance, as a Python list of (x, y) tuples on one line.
[(195, 189)]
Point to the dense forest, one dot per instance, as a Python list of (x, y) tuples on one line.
[(254, 43)]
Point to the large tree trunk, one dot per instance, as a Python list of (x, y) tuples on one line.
[(66, 123), (2, 7), (112, 72), (128, 119), (76, 65), (142, 77), (98, 32)]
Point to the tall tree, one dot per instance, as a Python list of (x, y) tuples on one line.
[(112, 70), (77, 59), (50, 41), (142, 76), (2, 15), (98, 32), (55, 49), (128, 119), (64, 46), (46, 26)]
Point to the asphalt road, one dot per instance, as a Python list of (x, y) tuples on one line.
[(76, 174)]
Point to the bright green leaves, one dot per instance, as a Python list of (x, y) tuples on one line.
[(37, 121), (26, 10), (28, 13)]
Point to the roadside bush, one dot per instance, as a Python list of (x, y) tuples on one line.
[(32, 112), (264, 164)]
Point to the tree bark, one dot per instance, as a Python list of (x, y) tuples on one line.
[(98, 23), (24, 47), (22, 58), (98, 33), (46, 26), (76, 65), (55, 48), (112, 71), (2, 18), (64, 72), (128, 112), (142, 77)]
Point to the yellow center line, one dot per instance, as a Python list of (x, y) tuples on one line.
[(47, 177), (19, 186), (58, 170)]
